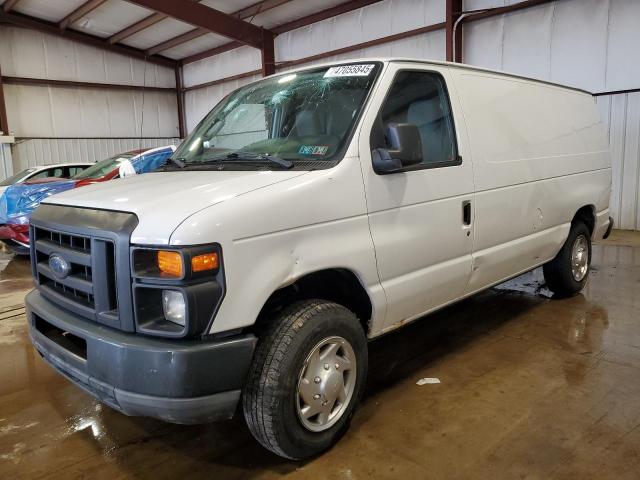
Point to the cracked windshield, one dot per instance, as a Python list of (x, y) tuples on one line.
[(281, 122)]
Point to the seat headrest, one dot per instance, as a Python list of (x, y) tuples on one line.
[(422, 112), (307, 123)]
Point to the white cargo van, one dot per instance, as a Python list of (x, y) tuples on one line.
[(308, 212)]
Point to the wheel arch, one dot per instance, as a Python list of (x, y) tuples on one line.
[(339, 285), (587, 215)]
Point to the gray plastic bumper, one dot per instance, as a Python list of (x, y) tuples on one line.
[(180, 381)]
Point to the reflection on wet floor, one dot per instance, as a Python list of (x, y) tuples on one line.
[(530, 387), (15, 278)]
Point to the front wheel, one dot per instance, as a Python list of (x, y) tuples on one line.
[(307, 376), (567, 273)]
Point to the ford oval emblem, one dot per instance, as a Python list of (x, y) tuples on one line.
[(59, 266)]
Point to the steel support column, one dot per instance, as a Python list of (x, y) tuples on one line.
[(4, 123), (182, 128), (268, 54), (453, 34)]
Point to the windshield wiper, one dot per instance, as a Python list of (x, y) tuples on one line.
[(250, 156), (238, 157), (178, 161)]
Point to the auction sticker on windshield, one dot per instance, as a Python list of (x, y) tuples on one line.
[(361, 70)]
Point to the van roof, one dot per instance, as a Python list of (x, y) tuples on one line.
[(462, 66)]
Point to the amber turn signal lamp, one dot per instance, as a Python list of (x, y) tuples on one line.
[(204, 262), (170, 263)]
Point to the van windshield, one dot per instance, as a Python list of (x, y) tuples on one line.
[(302, 119)]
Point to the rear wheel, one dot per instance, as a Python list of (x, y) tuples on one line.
[(307, 376), (568, 272)]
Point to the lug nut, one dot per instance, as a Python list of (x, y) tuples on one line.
[(317, 379), (337, 366), (326, 366), (316, 396)]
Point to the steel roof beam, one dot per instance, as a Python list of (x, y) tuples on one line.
[(208, 18), (178, 40), (301, 22), (33, 23), (323, 15), (138, 26), (247, 12), (79, 12)]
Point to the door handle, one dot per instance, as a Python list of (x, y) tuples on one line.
[(466, 213)]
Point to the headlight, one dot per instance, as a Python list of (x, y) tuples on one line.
[(174, 307), (181, 263), (177, 290)]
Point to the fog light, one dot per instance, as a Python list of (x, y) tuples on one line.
[(174, 306)]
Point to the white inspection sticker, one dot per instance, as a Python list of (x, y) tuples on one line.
[(361, 70)]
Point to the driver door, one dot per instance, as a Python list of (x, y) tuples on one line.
[(421, 217)]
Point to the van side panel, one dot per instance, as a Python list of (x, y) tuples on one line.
[(540, 153)]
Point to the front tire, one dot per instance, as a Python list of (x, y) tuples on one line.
[(307, 376), (567, 273)]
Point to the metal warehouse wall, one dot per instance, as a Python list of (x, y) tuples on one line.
[(589, 44), (57, 124), (29, 153), (585, 43)]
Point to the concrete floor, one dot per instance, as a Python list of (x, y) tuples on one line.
[(531, 387)]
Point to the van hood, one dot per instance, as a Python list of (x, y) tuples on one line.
[(162, 200)]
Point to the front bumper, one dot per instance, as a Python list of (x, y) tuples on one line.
[(180, 381)]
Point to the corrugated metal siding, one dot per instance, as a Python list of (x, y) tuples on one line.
[(583, 43), (36, 111), (6, 164), (368, 23), (29, 53), (621, 114), (39, 111), (374, 21), (32, 152)]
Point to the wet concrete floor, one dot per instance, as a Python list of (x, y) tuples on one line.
[(531, 387)]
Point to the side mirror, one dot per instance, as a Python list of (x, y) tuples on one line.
[(126, 169), (405, 151)]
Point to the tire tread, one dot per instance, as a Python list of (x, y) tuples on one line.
[(259, 395)]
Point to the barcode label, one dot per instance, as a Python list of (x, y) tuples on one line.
[(361, 70)]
